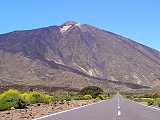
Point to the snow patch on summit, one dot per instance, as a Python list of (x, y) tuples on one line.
[(65, 28), (78, 25)]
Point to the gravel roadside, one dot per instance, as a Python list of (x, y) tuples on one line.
[(39, 110)]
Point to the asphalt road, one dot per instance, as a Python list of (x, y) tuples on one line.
[(117, 108)]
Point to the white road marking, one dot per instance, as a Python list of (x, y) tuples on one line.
[(119, 112), (118, 100), (68, 110)]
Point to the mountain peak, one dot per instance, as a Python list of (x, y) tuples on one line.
[(67, 25), (74, 55), (70, 22)]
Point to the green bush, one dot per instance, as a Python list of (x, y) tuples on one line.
[(143, 99), (94, 91), (48, 99), (68, 98), (150, 103), (77, 97), (62, 98), (102, 97), (16, 99), (11, 98), (87, 97), (157, 101), (98, 98), (36, 97)]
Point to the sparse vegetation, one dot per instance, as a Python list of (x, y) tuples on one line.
[(94, 91), (103, 97), (77, 97), (87, 97), (36, 97), (11, 98), (149, 97), (16, 99)]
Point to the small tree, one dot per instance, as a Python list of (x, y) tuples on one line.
[(94, 91)]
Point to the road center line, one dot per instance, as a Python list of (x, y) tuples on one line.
[(119, 112)]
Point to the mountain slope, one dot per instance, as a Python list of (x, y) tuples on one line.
[(75, 55)]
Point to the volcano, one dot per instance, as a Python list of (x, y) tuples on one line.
[(75, 55)]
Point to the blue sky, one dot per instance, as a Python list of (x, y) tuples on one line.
[(135, 19)]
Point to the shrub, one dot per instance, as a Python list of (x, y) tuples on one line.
[(87, 97), (67, 98), (26, 97), (77, 97), (48, 99), (36, 97), (94, 91), (157, 101), (138, 99), (102, 97), (62, 98), (150, 103), (97, 98), (32, 97), (11, 98)]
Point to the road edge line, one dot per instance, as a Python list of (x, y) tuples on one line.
[(69, 110)]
